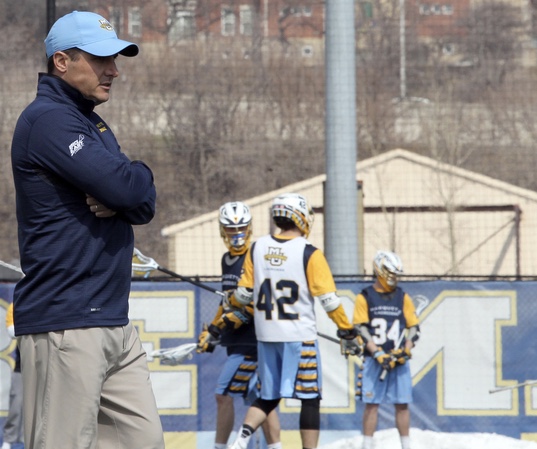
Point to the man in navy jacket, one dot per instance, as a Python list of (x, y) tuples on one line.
[(85, 375)]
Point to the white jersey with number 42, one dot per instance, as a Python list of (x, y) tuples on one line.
[(283, 304)]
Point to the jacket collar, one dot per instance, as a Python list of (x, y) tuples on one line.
[(54, 87)]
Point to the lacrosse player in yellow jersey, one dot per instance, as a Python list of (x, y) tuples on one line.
[(282, 276), (383, 312), (234, 330)]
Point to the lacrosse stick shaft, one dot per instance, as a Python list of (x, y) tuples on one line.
[(191, 281), (513, 387), (11, 267), (328, 337), (397, 344), (147, 264)]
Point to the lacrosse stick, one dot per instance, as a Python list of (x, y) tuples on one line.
[(328, 337), (145, 264), (513, 387), (175, 356), (11, 267), (397, 344), (422, 303)]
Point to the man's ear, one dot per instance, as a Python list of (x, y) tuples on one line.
[(61, 60)]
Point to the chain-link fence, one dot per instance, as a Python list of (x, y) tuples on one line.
[(227, 102)]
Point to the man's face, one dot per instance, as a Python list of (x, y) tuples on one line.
[(91, 75)]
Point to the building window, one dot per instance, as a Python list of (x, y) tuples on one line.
[(307, 51), (296, 11), (424, 10), (183, 26), (367, 10), (448, 49), (115, 18), (228, 21), (246, 16), (135, 21), (436, 10), (447, 10)]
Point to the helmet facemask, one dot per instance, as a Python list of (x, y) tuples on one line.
[(236, 238), (387, 266), (235, 226)]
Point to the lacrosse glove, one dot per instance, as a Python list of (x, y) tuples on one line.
[(208, 339), (385, 360), (400, 356), (234, 318), (348, 334), (352, 347), (350, 342)]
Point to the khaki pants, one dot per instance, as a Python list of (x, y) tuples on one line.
[(88, 389)]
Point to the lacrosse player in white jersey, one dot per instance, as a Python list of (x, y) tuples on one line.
[(234, 329), (282, 276), (383, 312)]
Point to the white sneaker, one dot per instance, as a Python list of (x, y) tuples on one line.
[(6, 446), (238, 444)]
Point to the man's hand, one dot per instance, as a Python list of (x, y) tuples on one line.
[(208, 339), (234, 318), (351, 342), (352, 347), (385, 360), (100, 210), (348, 334), (400, 356)]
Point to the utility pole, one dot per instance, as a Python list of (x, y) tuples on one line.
[(402, 39), (51, 14), (341, 195)]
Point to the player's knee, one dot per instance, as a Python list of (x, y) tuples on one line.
[(310, 415), (266, 405), (223, 400)]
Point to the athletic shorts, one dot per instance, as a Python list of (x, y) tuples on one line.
[(289, 370), (238, 378), (395, 389)]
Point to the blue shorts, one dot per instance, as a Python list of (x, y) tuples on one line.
[(395, 389), (238, 378), (289, 370)]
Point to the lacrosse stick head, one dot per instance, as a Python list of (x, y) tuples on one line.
[(142, 266), (175, 356)]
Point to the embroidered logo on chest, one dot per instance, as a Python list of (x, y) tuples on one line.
[(101, 127)]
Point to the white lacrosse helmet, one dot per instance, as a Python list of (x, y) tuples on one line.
[(235, 226), (293, 207), (386, 266)]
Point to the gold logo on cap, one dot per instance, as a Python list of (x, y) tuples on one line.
[(105, 24)]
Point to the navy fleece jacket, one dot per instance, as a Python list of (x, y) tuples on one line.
[(77, 267)]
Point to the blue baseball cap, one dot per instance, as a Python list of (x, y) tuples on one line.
[(88, 32)]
